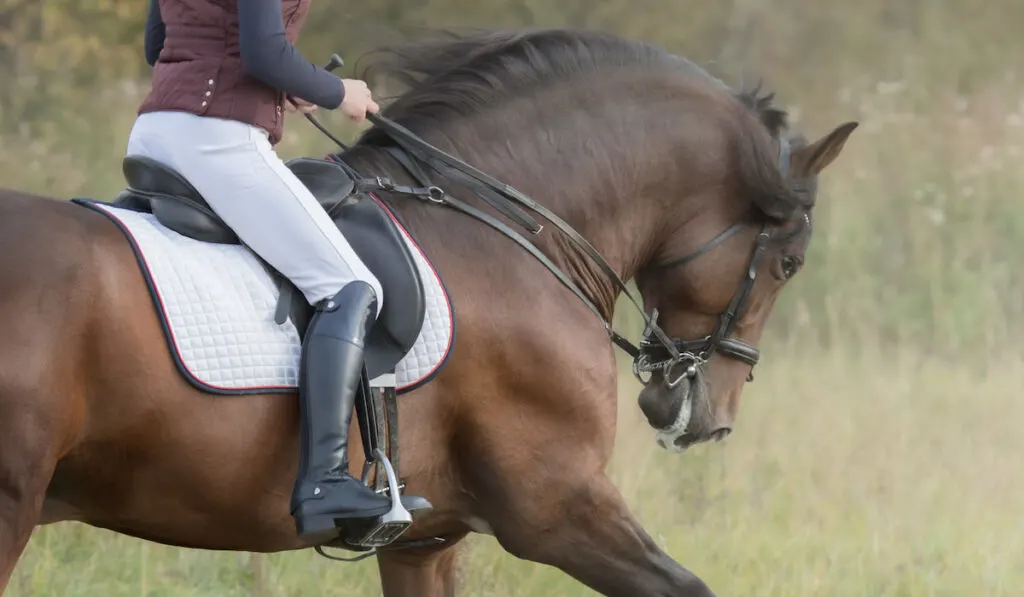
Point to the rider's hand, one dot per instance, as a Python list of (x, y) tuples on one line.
[(295, 104), (358, 100)]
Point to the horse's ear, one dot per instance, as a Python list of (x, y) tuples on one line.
[(813, 158)]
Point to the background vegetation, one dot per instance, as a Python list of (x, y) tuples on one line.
[(875, 454)]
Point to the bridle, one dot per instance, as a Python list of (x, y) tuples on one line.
[(656, 350), (677, 358), (689, 355), (652, 356)]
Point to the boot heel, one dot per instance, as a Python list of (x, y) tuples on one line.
[(316, 529)]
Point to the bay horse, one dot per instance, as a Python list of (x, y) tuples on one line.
[(695, 191)]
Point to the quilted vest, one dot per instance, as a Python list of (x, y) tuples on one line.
[(200, 67)]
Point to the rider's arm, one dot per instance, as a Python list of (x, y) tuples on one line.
[(154, 33), (268, 56)]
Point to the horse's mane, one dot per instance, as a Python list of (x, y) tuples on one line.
[(448, 75)]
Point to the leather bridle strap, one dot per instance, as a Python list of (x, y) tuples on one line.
[(449, 166), (721, 238), (501, 227), (728, 318)]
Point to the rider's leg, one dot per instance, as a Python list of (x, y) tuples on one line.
[(235, 168), (249, 187)]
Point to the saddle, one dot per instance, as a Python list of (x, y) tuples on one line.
[(371, 231)]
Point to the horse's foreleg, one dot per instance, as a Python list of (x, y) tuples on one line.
[(419, 573), (594, 538), (26, 467), (16, 524)]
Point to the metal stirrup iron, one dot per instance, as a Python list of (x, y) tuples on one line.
[(395, 521)]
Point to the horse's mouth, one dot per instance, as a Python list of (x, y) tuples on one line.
[(686, 440)]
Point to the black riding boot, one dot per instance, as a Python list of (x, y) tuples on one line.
[(332, 362)]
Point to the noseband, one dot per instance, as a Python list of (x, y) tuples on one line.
[(652, 355), (688, 355)]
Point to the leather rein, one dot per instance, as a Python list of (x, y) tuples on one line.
[(656, 350)]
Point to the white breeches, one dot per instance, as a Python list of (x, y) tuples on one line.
[(234, 167)]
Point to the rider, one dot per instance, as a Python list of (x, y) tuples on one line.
[(224, 72)]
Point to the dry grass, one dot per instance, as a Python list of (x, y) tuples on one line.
[(876, 454), (859, 468), (886, 475)]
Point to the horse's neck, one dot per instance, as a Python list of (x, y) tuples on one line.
[(586, 183)]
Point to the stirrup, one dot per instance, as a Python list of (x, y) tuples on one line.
[(392, 524)]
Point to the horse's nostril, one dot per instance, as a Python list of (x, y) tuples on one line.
[(721, 433)]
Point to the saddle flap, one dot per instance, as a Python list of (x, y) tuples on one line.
[(378, 243), (375, 238)]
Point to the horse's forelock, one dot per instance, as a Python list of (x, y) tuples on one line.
[(759, 163)]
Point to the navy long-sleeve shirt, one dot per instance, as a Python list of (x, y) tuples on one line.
[(155, 32), (266, 53)]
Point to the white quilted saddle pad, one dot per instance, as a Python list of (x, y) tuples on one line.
[(217, 303)]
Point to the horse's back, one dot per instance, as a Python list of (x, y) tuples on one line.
[(88, 345)]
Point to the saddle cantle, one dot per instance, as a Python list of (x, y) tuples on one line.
[(157, 189)]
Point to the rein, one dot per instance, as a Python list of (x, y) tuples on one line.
[(512, 203), (504, 198)]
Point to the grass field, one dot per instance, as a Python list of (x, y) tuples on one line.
[(849, 474), (875, 455)]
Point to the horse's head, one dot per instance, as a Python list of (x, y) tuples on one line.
[(678, 181), (715, 279)]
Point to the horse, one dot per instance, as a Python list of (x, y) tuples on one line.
[(659, 174)]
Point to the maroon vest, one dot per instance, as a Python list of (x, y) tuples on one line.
[(200, 69)]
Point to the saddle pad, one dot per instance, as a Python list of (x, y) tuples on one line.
[(216, 304)]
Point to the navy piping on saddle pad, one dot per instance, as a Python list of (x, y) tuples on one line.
[(158, 306)]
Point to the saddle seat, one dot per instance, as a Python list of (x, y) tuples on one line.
[(373, 234)]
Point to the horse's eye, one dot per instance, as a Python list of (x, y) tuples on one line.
[(790, 265)]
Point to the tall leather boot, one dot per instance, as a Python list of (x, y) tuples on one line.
[(332, 363)]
